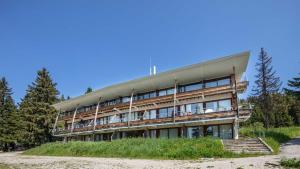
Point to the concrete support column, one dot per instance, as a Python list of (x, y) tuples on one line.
[(235, 129), (65, 139)]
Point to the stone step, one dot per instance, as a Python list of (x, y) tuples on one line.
[(247, 145)]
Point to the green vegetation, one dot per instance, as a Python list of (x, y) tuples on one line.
[(137, 148), (290, 163), (272, 136)]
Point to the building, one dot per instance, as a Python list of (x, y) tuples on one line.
[(192, 101)]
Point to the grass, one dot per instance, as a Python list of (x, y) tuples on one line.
[(290, 163), (180, 148), (273, 136)]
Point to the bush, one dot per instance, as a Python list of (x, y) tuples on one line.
[(272, 136), (290, 163), (180, 148)]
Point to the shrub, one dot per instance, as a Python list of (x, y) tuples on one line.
[(290, 163)]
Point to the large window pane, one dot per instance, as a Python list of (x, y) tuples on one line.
[(211, 84), (192, 132), (224, 105), (197, 108), (211, 107), (193, 87), (163, 133), (152, 94), (188, 108), (226, 131), (212, 131), (153, 133), (152, 114), (173, 133), (170, 112), (163, 113), (162, 93), (224, 82), (170, 91)]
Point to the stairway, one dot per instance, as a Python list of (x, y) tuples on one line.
[(246, 145)]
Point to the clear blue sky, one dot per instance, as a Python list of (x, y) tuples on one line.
[(101, 42)]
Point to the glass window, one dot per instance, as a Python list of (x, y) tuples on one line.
[(173, 133), (141, 97), (211, 107), (163, 113), (193, 132), (146, 96), (224, 82), (188, 108), (170, 91), (181, 89), (162, 93), (224, 105), (226, 131), (153, 133), (163, 133), (152, 114), (197, 108), (192, 87), (170, 111), (152, 94), (211, 84), (125, 99)]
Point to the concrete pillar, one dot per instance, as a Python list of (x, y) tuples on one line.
[(65, 139), (235, 129)]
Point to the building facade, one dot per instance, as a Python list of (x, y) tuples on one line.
[(193, 101)]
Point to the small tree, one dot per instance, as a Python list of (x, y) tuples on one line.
[(266, 83), (88, 90)]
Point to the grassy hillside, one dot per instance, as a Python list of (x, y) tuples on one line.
[(137, 148), (273, 136)]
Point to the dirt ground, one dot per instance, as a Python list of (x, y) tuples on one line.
[(18, 161)]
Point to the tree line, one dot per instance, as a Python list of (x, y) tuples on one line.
[(30, 122)]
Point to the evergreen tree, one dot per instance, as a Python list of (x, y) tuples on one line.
[(88, 90), (294, 87), (266, 83), (294, 90), (36, 110), (8, 117), (62, 98), (68, 98)]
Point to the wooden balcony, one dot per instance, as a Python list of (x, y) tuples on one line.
[(243, 114), (161, 101)]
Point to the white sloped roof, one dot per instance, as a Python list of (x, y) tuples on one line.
[(192, 73)]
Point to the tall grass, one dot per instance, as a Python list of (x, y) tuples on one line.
[(273, 136), (137, 148)]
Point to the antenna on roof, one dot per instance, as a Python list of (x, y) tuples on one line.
[(150, 67), (154, 70)]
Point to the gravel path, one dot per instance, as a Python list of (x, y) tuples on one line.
[(16, 160)]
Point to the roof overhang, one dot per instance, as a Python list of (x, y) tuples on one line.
[(206, 70)]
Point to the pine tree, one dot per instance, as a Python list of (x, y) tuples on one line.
[(294, 87), (36, 110), (62, 98), (8, 117), (88, 90), (294, 90), (266, 83)]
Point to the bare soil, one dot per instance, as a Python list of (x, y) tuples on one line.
[(18, 161)]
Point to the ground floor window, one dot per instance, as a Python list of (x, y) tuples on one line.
[(226, 131), (195, 132)]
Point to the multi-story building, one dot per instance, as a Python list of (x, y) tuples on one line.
[(192, 101)]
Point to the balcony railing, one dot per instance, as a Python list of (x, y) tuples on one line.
[(244, 112)]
